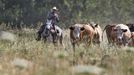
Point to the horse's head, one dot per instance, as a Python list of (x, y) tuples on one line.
[(48, 24)]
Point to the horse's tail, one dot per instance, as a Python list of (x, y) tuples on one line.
[(61, 39)]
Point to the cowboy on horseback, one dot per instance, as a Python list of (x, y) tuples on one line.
[(52, 19)]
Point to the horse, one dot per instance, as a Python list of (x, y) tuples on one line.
[(53, 35)]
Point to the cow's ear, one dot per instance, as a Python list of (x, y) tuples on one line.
[(71, 28), (96, 25), (82, 28), (124, 30)]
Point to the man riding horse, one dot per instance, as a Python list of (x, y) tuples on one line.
[(52, 19)]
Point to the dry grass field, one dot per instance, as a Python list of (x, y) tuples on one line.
[(26, 56)]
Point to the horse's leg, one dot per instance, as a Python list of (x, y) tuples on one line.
[(45, 39), (53, 39), (61, 39)]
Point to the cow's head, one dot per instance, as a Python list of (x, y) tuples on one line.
[(119, 34), (76, 30)]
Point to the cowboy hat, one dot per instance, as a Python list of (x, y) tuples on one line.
[(54, 8)]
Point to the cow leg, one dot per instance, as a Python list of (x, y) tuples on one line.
[(91, 39), (109, 41), (73, 47), (125, 41), (112, 41), (89, 42), (74, 61)]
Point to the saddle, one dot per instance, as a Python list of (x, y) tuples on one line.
[(52, 29)]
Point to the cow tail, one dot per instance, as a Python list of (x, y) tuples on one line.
[(103, 31)]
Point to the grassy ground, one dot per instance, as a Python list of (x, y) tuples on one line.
[(47, 59)]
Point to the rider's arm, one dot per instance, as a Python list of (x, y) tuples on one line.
[(57, 17)]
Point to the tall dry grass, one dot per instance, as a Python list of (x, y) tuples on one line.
[(36, 58)]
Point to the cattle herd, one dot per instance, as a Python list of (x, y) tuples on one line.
[(92, 33), (117, 34)]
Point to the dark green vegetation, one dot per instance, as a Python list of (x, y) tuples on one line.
[(30, 13)]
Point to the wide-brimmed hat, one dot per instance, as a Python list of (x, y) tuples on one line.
[(54, 8)]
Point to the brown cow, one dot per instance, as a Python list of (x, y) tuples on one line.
[(110, 33), (131, 42), (131, 27)]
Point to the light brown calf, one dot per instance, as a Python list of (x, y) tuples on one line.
[(85, 32)]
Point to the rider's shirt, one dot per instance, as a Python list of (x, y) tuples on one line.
[(54, 17)]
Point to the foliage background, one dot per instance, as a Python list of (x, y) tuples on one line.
[(31, 13)]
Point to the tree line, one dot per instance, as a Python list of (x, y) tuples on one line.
[(30, 13)]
